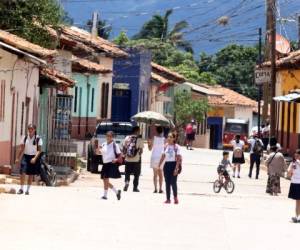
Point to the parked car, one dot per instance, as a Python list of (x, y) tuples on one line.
[(232, 128), (120, 129)]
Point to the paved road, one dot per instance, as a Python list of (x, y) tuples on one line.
[(75, 218)]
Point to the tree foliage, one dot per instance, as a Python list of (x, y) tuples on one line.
[(18, 16), (158, 28), (186, 108), (122, 39)]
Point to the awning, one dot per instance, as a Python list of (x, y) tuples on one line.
[(293, 97)]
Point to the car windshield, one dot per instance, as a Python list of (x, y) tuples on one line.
[(117, 128), (236, 128)]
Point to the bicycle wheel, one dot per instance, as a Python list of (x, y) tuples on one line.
[(230, 187), (217, 186)]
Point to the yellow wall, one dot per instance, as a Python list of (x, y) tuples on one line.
[(216, 112), (288, 80)]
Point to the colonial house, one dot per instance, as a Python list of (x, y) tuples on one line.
[(20, 63), (131, 84), (224, 104), (163, 83), (287, 101)]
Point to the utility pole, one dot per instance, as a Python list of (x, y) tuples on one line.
[(95, 24), (270, 88), (298, 31), (259, 86)]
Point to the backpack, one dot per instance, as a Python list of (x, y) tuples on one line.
[(36, 141), (131, 146), (238, 153), (257, 147)]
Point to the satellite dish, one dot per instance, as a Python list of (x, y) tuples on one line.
[(283, 45)]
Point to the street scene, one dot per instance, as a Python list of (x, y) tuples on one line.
[(149, 124)]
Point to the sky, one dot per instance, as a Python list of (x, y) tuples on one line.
[(204, 32)]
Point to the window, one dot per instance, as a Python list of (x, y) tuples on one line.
[(2, 100), (92, 101), (75, 99)]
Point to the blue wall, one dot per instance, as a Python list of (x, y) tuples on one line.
[(135, 71), (217, 122)]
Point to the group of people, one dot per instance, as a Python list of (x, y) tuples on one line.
[(165, 160)]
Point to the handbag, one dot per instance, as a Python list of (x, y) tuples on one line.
[(119, 157), (180, 163)]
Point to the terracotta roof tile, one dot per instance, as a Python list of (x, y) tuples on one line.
[(167, 73), (86, 65), (159, 79), (24, 45), (57, 77), (291, 60), (99, 43), (230, 97)]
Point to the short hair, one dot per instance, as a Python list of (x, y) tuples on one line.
[(31, 126), (238, 137), (225, 153), (110, 133), (298, 151), (135, 129), (273, 148), (159, 129)]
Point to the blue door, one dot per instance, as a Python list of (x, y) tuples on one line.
[(215, 125), (121, 105)]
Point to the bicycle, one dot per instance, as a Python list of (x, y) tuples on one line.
[(223, 182)]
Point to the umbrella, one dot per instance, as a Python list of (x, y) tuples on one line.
[(151, 117)]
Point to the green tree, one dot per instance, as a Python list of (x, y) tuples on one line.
[(18, 16), (186, 108), (104, 29), (158, 27), (122, 39)]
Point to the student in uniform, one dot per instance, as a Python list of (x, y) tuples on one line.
[(110, 153), (29, 156)]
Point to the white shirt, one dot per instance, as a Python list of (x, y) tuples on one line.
[(108, 152), (236, 145), (29, 148), (296, 172), (170, 152), (158, 146), (252, 143)]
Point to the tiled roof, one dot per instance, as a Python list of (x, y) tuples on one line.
[(86, 65), (57, 77), (98, 43), (290, 61), (159, 79), (230, 97), (202, 89), (167, 73), (24, 45)]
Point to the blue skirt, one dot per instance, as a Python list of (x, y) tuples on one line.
[(110, 170)]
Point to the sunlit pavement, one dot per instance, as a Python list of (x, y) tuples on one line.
[(76, 218)]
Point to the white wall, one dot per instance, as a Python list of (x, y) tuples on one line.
[(245, 113)]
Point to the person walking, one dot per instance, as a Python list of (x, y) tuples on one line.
[(238, 157), (133, 146), (294, 192), (276, 167), (256, 152), (172, 167), (111, 154), (190, 136), (156, 145), (29, 156)]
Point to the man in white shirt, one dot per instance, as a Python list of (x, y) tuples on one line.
[(256, 151)]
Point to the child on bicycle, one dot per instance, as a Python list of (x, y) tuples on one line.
[(223, 166)]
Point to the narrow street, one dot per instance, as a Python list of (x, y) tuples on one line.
[(75, 217)]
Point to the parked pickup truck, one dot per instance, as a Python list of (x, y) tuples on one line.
[(120, 129)]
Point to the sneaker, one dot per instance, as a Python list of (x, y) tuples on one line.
[(233, 175), (119, 195), (250, 176), (239, 176), (295, 220), (176, 200), (136, 190), (167, 202), (155, 191), (104, 198), (126, 187), (161, 192), (26, 193), (20, 191), (256, 177)]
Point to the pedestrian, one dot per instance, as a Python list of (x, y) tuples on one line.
[(172, 166), (189, 135), (294, 193), (133, 146), (276, 167), (29, 156), (111, 154), (238, 157), (156, 145), (256, 152)]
